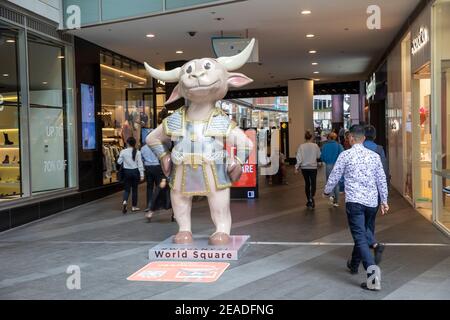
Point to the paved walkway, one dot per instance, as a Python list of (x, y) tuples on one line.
[(295, 253)]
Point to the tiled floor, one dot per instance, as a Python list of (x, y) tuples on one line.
[(295, 253)]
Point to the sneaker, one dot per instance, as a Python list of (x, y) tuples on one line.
[(313, 204), (335, 204), (135, 209), (350, 268), (331, 199), (146, 209), (124, 207), (378, 250)]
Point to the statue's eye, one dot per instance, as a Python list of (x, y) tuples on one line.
[(189, 69), (208, 65)]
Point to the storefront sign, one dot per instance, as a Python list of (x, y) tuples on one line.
[(420, 41), (371, 87), (203, 272)]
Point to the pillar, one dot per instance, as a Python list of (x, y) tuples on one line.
[(301, 94), (337, 111), (355, 109)]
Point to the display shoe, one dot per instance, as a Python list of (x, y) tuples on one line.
[(219, 238), (183, 237), (7, 141), (6, 161)]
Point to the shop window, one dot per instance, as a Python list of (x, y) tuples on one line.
[(127, 108), (10, 151), (47, 117), (423, 146)]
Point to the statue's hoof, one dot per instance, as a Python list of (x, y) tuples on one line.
[(219, 239), (183, 237)]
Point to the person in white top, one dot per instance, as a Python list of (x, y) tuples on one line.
[(132, 172), (307, 160)]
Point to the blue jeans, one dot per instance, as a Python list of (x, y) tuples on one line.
[(361, 220), (335, 193)]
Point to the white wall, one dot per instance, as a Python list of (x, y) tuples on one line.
[(49, 9)]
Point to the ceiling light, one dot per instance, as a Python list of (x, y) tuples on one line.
[(316, 72), (61, 57), (314, 63), (312, 51), (6, 75), (310, 36), (121, 76), (104, 79), (141, 82), (45, 82), (306, 12), (10, 41), (150, 35), (179, 52)]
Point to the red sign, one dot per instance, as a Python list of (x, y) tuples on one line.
[(249, 169)]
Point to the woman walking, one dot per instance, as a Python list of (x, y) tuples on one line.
[(133, 172), (308, 155), (330, 153)]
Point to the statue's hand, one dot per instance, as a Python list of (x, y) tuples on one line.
[(234, 171), (166, 164)]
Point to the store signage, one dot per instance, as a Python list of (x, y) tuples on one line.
[(371, 87), (104, 113), (420, 41), (249, 169), (171, 271)]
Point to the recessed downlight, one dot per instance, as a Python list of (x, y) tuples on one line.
[(316, 72), (310, 35), (312, 51), (315, 63), (10, 41), (179, 52), (150, 35), (306, 12), (6, 75)]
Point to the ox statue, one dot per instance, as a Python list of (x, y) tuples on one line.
[(200, 162)]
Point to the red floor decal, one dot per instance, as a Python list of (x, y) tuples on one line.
[(171, 271)]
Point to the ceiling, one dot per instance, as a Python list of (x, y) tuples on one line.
[(346, 48)]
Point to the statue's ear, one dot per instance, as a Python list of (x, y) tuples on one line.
[(237, 80), (175, 95)]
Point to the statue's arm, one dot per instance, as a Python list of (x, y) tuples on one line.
[(159, 142)]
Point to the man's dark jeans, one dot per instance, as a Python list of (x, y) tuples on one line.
[(361, 220), (153, 175)]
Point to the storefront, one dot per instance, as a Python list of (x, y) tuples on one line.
[(417, 116), (38, 159), (441, 115)]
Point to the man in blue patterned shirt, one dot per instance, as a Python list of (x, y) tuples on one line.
[(365, 181)]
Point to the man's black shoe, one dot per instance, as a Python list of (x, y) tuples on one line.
[(352, 270), (378, 250)]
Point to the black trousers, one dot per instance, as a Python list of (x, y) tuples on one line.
[(310, 176), (153, 175), (131, 178)]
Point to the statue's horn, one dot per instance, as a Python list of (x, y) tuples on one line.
[(167, 76), (237, 61)]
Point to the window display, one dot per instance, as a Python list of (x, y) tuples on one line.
[(10, 173), (127, 107), (422, 119)]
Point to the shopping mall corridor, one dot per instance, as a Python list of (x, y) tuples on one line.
[(294, 254)]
